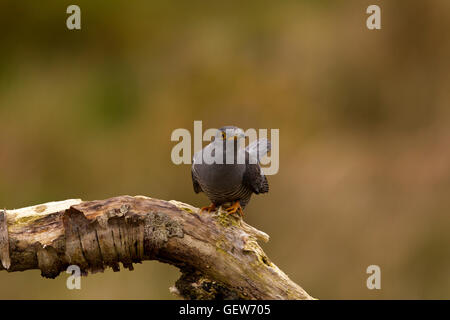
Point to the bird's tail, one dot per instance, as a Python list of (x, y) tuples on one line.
[(259, 148)]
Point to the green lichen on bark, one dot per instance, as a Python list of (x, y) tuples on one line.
[(224, 219), (159, 227), (184, 206)]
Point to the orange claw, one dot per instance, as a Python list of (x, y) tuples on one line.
[(209, 208), (236, 207)]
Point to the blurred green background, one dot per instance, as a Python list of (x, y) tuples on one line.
[(364, 123)]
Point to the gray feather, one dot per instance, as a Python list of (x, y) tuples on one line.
[(224, 183), (259, 148)]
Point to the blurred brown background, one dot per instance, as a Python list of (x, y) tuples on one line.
[(363, 116)]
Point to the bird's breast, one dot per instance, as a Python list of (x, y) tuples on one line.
[(220, 176)]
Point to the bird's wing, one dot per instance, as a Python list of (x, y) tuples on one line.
[(197, 187), (259, 148), (254, 179)]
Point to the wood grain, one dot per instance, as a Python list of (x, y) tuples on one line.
[(218, 254)]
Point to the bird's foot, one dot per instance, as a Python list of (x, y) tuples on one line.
[(235, 207), (209, 208)]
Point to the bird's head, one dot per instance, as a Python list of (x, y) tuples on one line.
[(229, 133)]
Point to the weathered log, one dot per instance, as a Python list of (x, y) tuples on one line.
[(218, 254)]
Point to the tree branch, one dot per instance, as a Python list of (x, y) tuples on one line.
[(218, 254)]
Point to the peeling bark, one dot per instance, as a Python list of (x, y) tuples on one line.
[(218, 254)]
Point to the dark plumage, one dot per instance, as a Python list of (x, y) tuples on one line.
[(233, 182)]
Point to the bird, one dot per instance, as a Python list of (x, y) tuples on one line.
[(234, 174)]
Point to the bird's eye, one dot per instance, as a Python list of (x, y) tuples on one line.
[(223, 135)]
